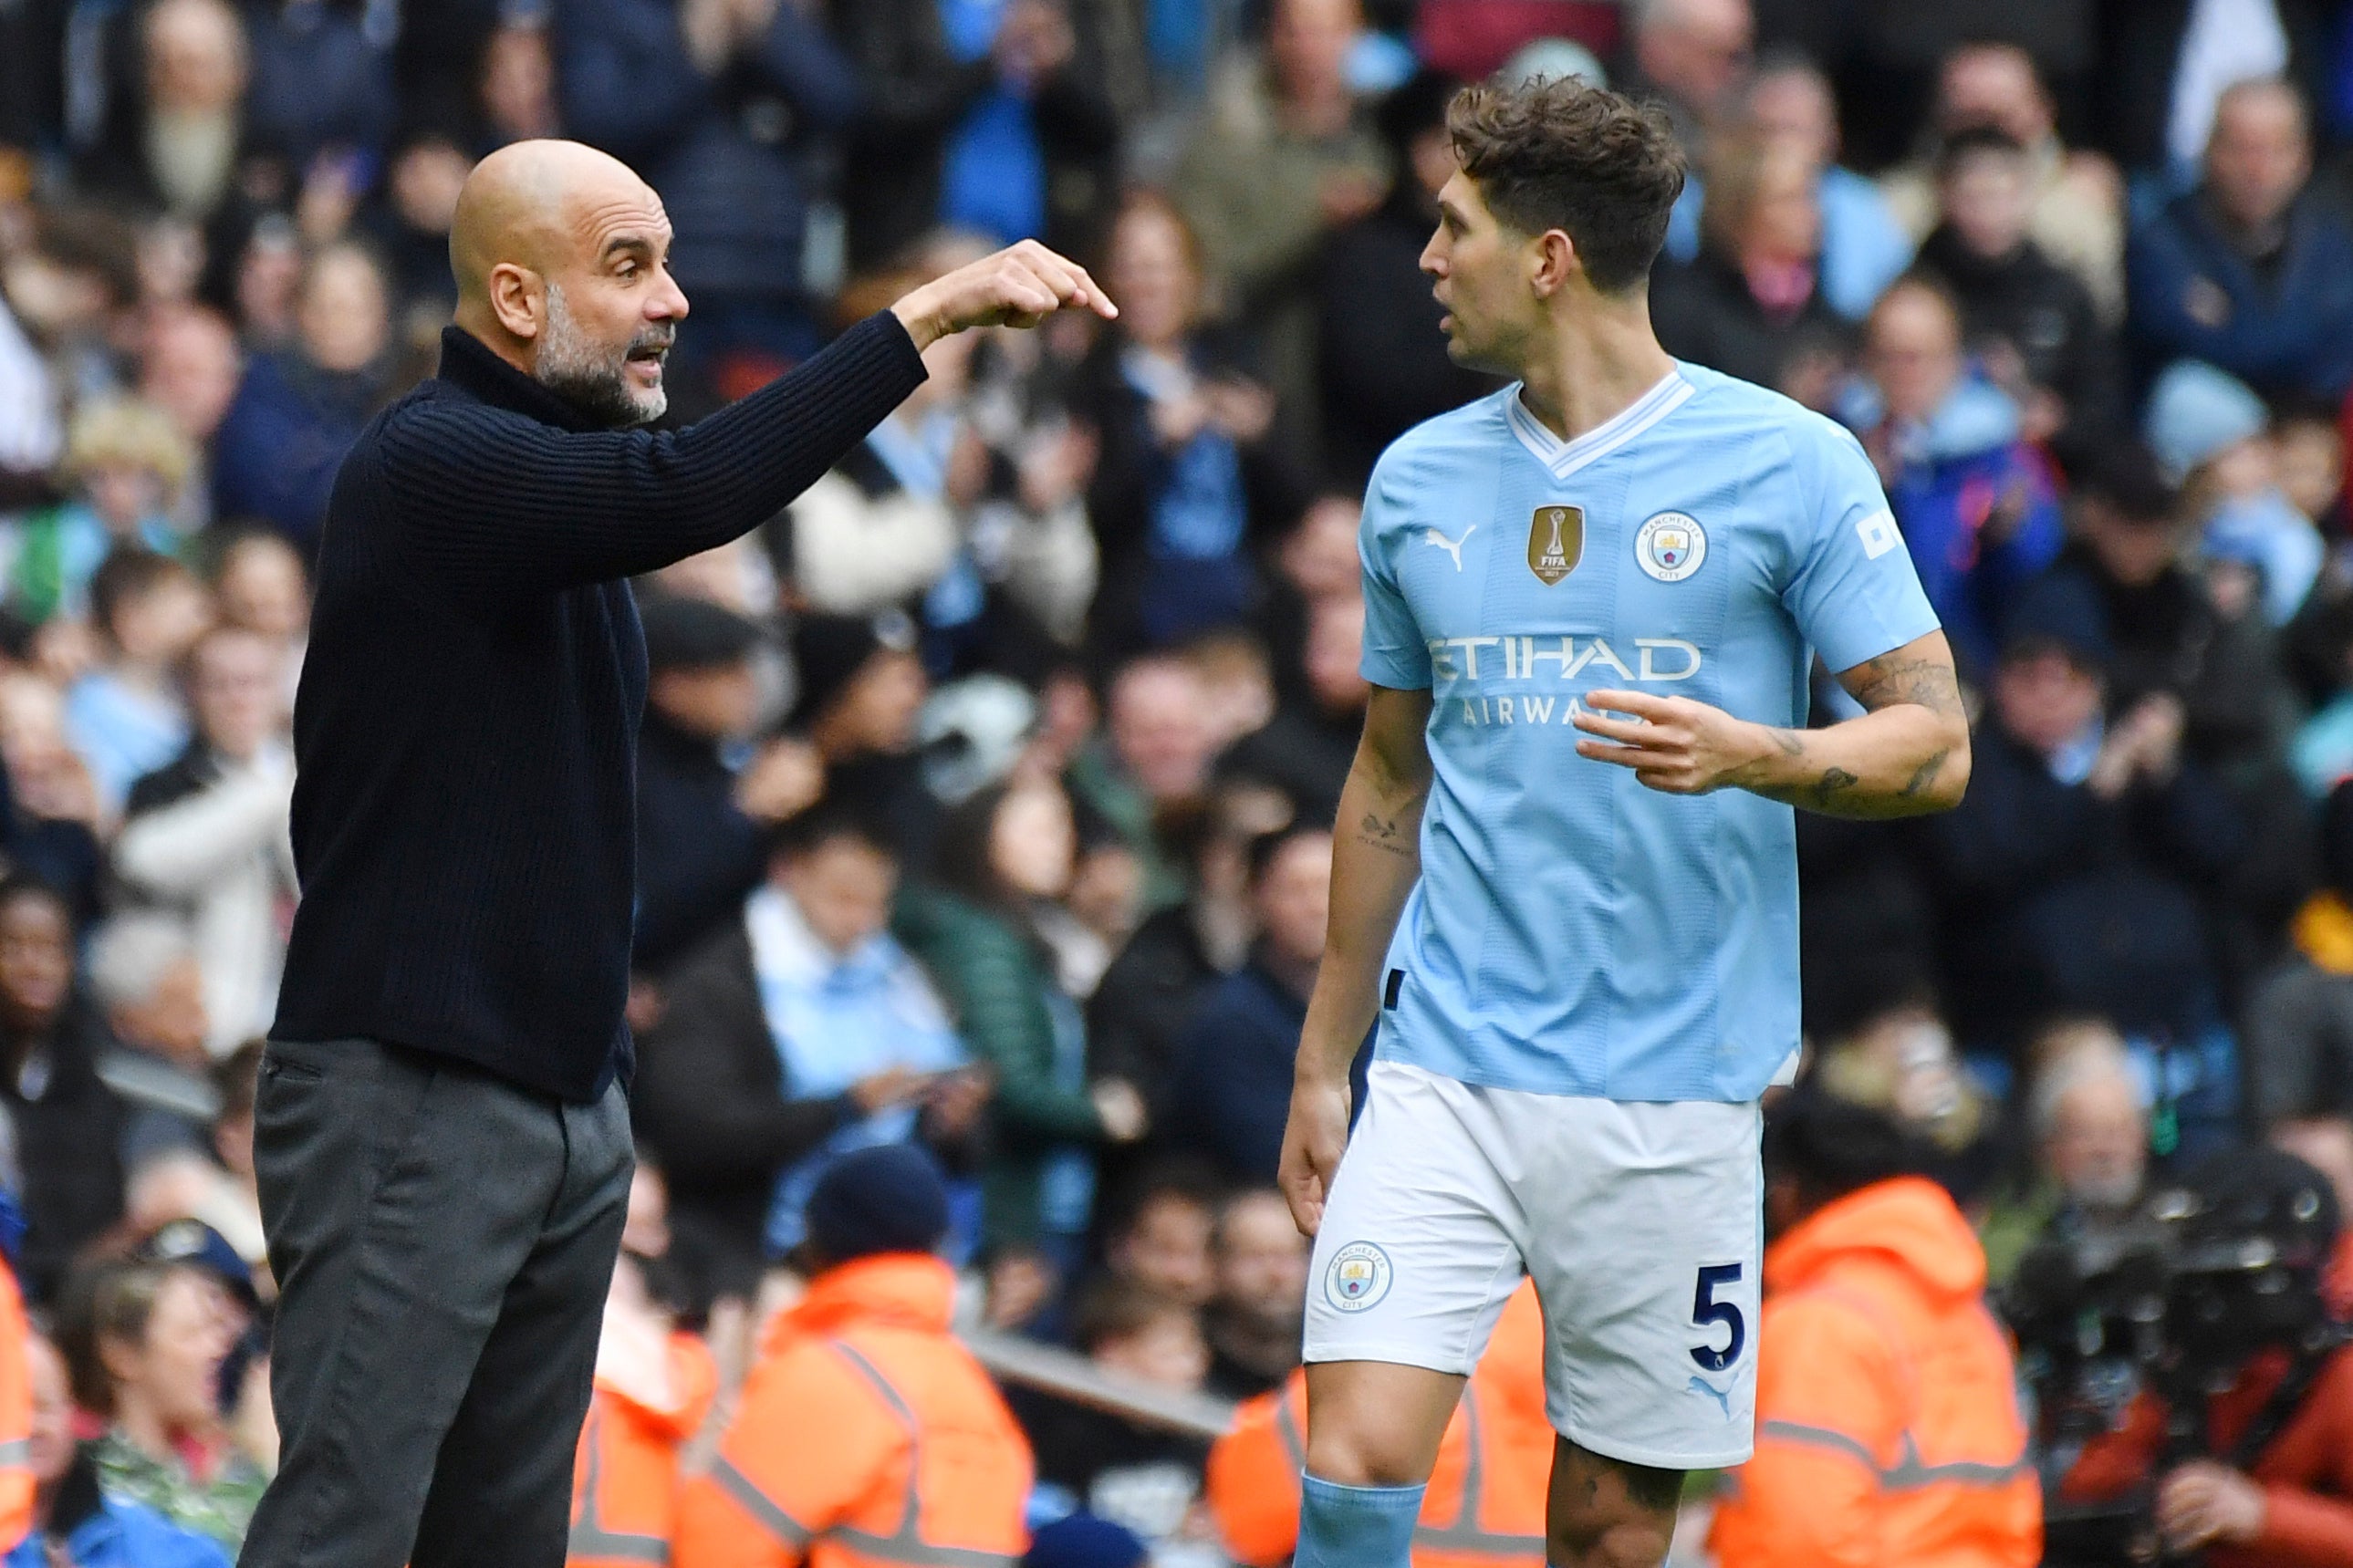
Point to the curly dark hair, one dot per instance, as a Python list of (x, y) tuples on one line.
[(1602, 167)]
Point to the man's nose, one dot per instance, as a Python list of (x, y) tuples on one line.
[(669, 301)]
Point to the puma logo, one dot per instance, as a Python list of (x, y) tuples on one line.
[(1723, 1397), (1451, 546)]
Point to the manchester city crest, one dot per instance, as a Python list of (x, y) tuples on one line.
[(1358, 1277), (1556, 541), (1670, 546)]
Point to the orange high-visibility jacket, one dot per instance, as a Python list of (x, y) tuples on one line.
[(1887, 1422), (867, 1437), (1485, 1505), (625, 1477), (16, 1414)]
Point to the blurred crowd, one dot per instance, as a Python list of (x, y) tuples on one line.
[(985, 793)]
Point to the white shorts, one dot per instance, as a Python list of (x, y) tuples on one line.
[(1642, 1226)]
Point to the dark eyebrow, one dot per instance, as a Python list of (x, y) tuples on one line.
[(1452, 214), (628, 242)]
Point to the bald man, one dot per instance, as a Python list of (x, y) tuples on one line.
[(441, 1138)]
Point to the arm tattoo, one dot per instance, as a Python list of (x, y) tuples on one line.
[(1893, 678), (1385, 836), (1833, 781), (1926, 773)]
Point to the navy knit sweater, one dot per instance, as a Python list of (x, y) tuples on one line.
[(466, 728)]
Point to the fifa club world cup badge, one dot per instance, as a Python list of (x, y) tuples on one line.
[(1556, 541), (1670, 546), (1358, 1277)]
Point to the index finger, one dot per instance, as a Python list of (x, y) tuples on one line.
[(1071, 282), (1640, 703)]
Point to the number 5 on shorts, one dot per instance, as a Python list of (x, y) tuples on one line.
[(1707, 1312)]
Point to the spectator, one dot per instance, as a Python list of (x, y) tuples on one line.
[(147, 986), (1750, 304), (1283, 158), (2089, 1136), (1232, 1087), (207, 838), (1137, 1016), (2165, 630), (703, 824), (1082, 1541), (1190, 472), (856, 1380), (260, 585), (2070, 876), (2250, 272), (1382, 362), (209, 1179), (1875, 1356), (2165, 70), (410, 227), (1160, 745), (189, 367), (127, 463), (655, 1386), (52, 809), (322, 97), (2078, 201), (516, 86), (799, 1030), (860, 691), (1305, 750), (74, 1519), (1162, 1240), (1864, 249), (1142, 1477), (2289, 1499), (125, 716), (1693, 56), (723, 107), (1976, 504), (2030, 321), (1033, 157), (1900, 1061), (1254, 1321), (67, 1125), (175, 140), (146, 1342), (300, 408), (1485, 1502), (1003, 854), (2211, 432)]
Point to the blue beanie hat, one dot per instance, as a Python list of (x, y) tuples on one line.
[(2195, 411), (1082, 1541), (888, 1198)]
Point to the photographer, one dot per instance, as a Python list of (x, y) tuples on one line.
[(1887, 1425), (2274, 1486)]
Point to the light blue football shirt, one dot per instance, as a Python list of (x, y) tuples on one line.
[(1574, 933)]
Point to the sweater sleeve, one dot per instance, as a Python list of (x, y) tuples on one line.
[(498, 501)]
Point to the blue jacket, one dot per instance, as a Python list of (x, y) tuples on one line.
[(320, 79), (277, 448), (2193, 296), (1954, 475), (725, 150), (125, 1535)]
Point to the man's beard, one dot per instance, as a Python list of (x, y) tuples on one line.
[(592, 378)]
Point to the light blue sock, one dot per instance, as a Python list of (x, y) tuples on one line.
[(1355, 1527)]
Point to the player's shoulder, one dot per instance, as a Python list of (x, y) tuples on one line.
[(1726, 407), (1472, 434)]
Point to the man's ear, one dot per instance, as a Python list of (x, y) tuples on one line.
[(519, 300), (1551, 262)]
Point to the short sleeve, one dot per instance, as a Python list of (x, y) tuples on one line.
[(1852, 592), (1394, 654)]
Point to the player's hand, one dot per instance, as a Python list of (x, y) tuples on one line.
[(1675, 745), (1312, 1142), (2203, 1501), (1019, 286)]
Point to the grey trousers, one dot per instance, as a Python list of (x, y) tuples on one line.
[(442, 1241)]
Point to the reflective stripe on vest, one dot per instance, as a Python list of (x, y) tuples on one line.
[(591, 1542), (1908, 1473), (17, 1455), (904, 1545), (1464, 1534)]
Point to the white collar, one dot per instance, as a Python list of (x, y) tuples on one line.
[(1564, 458)]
